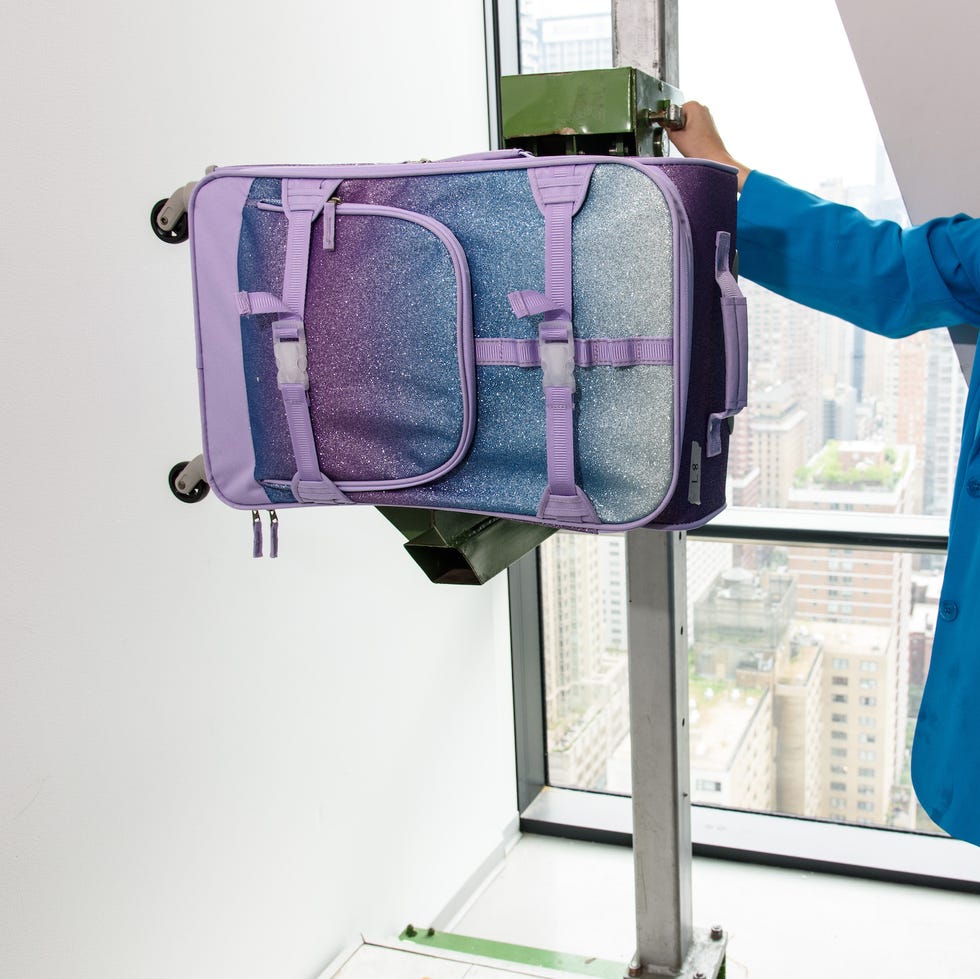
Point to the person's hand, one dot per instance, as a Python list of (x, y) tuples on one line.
[(700, 138)]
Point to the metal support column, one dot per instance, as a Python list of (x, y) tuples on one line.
[(645, 37), (657, 585)]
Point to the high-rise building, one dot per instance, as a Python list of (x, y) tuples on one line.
[(942, 412), (864, 720), (731, 737), (798, 676), (853, 588), (566, 36), (583, 618), (778, 427)]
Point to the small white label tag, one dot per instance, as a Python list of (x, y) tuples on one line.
[(694, 483)]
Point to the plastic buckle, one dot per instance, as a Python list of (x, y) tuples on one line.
[(289, 345), (557, 356)]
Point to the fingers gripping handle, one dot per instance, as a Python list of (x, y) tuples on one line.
[(735, 323)]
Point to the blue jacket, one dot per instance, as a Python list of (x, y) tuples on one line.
[(896, 281)]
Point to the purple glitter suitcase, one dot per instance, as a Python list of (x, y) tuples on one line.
[(531, 338)]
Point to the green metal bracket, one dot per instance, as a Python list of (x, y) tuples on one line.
[(516, 954), (463, 548), (706, 958), (609, 112)]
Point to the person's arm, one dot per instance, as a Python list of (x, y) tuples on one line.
[(875, 274), (700, 138)]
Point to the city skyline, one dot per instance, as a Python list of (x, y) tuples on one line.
[(806, 663)]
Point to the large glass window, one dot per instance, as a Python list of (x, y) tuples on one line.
[(792, 695), (806, 661)]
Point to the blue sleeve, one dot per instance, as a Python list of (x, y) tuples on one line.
[(876, 274)]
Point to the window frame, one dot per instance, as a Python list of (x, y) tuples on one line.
[(761, 838), (874, 852)]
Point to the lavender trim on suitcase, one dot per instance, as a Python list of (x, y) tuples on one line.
[(681, 341), (599, 352), (228, 455)]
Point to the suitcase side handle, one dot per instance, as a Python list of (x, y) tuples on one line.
[(735, 324)]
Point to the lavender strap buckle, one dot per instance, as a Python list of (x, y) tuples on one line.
[(289, 346), (556, 351)]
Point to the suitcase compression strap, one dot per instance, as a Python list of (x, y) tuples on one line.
[(559, 192), (302, 201)]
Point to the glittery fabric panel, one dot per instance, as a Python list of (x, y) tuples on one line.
[(261, 259), (497, 222), (381, 330), (623, 285), (624, 434), (623, 282), (709, 198), (623, 258), (505, 471)]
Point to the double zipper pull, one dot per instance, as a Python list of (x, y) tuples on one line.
[(257, 534)]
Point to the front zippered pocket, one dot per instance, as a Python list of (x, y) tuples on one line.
[(389, 347)]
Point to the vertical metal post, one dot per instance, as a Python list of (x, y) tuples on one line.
[(645, 37), (657, 585)]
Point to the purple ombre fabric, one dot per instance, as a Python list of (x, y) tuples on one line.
[(425, 389), (383, 341)]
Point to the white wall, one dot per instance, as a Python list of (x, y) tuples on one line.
[(212, 766), (919, 65)]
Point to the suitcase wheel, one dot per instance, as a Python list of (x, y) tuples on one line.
[(173, 235), (192, 494)]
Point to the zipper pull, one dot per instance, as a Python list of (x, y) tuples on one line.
[(256, 534), (273, 534)]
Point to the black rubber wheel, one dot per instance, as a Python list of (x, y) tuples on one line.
[(197, 492), (172, 236)]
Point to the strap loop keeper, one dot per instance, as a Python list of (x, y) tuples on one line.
[(322, 490)]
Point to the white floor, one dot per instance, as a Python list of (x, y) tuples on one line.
[(781, 924)]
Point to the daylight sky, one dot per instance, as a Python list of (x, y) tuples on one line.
[(780, 80)]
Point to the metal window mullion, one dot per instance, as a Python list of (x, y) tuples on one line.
[(527, 664), (659, 742)]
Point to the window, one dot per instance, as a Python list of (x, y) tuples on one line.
[(776, 621)]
